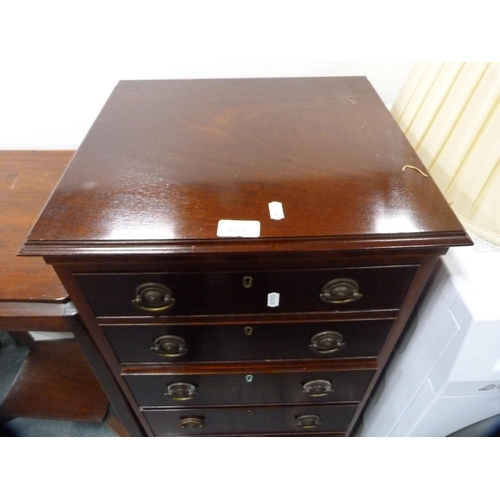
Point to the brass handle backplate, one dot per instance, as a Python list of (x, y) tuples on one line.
[(308, 421), (191, 423), (340, 291), (326, 342), (181, 391), (317, 388), (153, 297), (170, 346)]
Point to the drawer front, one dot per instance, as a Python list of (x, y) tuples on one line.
[(249, 388), (197, 343), (164, 294), (268, 420)]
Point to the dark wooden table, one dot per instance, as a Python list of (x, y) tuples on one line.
[(27, 179), (56, 380)]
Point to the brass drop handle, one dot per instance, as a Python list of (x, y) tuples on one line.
[(326, 342), (308, 421), (181, 391), (340, 291), (153, 297), (170, 346), (192, 423), (317, 388)]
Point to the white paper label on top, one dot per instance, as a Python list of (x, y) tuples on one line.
[(238, 228), (276, 210), (273, 299)]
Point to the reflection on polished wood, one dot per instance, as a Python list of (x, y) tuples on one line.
[(165, 161)]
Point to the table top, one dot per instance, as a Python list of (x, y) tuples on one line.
[(27, 179), (166, 161)]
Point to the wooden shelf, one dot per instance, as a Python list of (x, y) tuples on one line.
[(56, 382)]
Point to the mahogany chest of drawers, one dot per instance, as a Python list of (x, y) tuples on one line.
[(215, 312)]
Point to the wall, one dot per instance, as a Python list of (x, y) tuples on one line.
[(56, 110), (59, 60)]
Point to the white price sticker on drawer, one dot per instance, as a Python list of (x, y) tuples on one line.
[(273, 299)]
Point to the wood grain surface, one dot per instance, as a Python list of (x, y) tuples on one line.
[(27, 178), (165, 161)]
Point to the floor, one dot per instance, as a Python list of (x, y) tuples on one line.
[(11, 360)]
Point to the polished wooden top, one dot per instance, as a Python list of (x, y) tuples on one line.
[(27, 179), (165, 161)]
